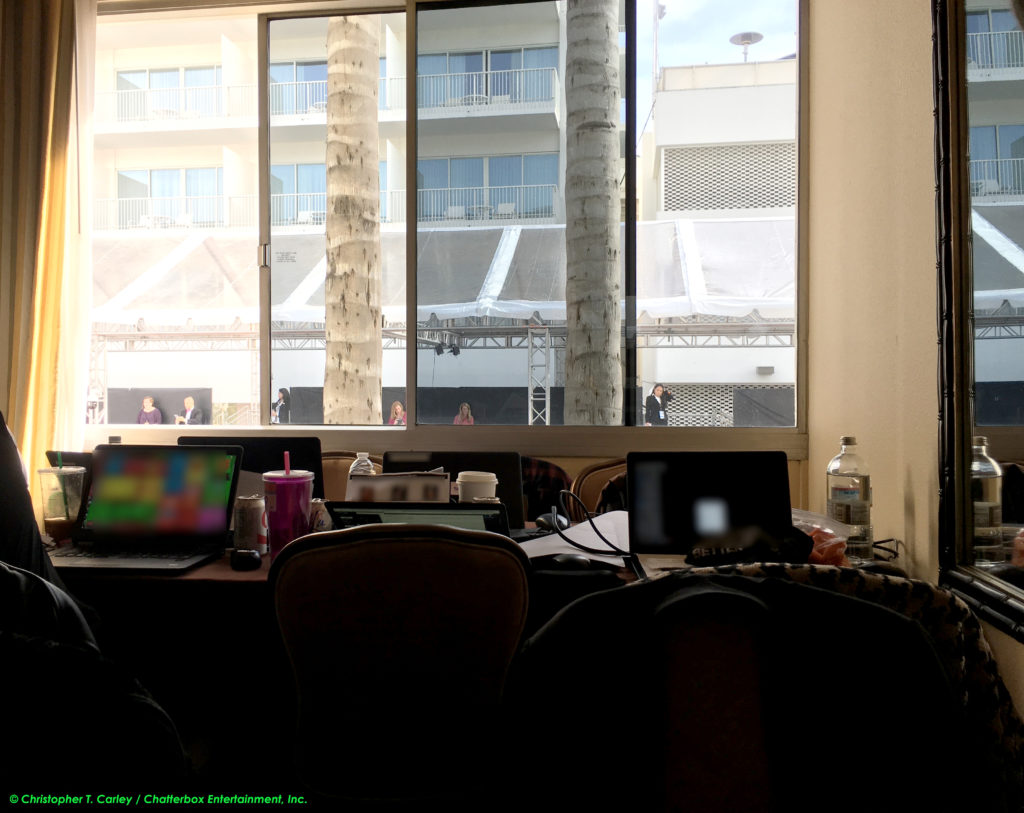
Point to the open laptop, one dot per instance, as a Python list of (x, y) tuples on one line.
[(471, 516), (507, 467), (154, 508), (679, 501), (266, 453)]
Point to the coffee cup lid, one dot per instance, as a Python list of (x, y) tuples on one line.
[(476, 477), (62, 469)]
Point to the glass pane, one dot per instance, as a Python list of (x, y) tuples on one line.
[(175, 299), (491, 262), (203, 92), (995, 101), (164, 96), (716, 237), (337, 278)]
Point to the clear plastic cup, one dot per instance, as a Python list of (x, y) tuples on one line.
[(289, 498), (62, 499)]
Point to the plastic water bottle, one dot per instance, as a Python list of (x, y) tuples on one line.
[(361, 465), (848, 492), (987, 502)]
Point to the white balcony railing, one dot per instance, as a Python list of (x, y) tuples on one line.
[(465, 206), (996, 49), (501, 203), (496, 89), (997, 176), (298, 98), (202, 211), (176, 104)]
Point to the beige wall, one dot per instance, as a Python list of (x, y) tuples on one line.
[(872, 324)]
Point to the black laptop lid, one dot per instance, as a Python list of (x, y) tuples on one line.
[(678, 499), (506, 466), (472, 516), (169, 496), (266, 453)]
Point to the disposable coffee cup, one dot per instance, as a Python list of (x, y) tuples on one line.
[(473, 485), (62, 498), (288, 497)]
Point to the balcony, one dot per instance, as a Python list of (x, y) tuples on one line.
[(467, 207), (487, 205), (480, 92), (200, 211), (997, 179), (442, 96), (174, 106), (995, 51)]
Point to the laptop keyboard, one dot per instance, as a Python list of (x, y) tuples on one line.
[(78, 553)]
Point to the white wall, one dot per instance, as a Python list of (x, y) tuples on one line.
[(726, 115)]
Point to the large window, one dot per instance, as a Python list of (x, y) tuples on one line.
[(702, 286)]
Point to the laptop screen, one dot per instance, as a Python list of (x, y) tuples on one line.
[(160, 492), (266, 453), (677, 499)]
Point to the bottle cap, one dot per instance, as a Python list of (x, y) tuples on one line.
[(847, 440), (980, 440)]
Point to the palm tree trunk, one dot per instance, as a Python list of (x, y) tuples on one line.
[(593, 387), (352, 377)]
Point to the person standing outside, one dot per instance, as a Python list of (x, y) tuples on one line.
[(655, 413), (192, 414), (465, 416), (149, 413), (281, 411), (397, 414)]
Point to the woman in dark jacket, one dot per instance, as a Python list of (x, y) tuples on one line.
[(654, 407), (282, 409)]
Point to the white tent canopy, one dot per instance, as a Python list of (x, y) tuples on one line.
[(684, 268)]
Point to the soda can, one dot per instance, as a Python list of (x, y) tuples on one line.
[(319, 517), (250, 524)]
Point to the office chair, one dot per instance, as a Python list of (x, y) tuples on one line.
[(709, 692), (400, 637), (588, 485)]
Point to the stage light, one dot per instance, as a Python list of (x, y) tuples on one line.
[(455, 350), (439, 349)]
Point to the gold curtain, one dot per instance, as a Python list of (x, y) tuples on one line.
[(37, 65)]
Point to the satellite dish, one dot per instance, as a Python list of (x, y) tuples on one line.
[(746, 39)]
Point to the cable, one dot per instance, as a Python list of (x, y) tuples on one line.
[(561, 504)]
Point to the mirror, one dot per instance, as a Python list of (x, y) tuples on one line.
[(979, 81)]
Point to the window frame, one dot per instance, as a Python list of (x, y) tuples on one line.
[(567, 441)]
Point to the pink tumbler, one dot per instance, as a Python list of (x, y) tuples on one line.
[(289, 497)]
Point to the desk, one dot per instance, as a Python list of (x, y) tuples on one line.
[(205, 645)]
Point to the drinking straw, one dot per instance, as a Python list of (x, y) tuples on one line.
[(63, 490), (287, 464)]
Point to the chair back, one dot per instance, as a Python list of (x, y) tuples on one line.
[(399, 637), (589, 483), (724, 693)]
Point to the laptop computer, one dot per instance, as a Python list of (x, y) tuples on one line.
[(155, 508), (262, 453), (507, 466), (686, 502), (471, 516)]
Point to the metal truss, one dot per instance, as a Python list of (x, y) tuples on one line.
[(310, 336), (999, 327)]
